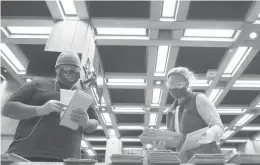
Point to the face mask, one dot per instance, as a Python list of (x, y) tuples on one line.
[(178, 93), (69, 77)]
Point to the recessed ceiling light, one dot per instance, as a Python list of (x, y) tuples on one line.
[(253, 35), (158, 82), (5, 70), (103, 109), (28, 80)]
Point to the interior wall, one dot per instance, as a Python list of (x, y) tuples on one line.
[(8, 126)]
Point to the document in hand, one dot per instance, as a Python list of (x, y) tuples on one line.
[(192, 139), (79, 99), (172, 139)]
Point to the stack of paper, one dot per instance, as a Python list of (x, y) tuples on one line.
[(74, 160), (208, 158), (118, 158), (75, 100), (245, 158), (163, 157), (172, 139)]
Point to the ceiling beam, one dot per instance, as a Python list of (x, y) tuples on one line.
[(155, 14), (128, 23), (238, 73), (252, 14), (172, 57), (183, 10), (224, 63), (26, 21), (55, 10), (151, 62), (15, 39), (82, 9), (146, 42)]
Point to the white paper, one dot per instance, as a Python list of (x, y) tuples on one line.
[(65, 98), (80, 100), (192, 139)]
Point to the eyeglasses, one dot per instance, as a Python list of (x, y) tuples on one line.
[(69, 68), (175, 85)]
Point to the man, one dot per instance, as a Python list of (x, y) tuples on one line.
[(39, 137)]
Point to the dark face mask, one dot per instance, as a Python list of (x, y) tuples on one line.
[(69, 77), (178, 93)]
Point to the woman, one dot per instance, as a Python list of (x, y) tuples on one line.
[(190, 112)]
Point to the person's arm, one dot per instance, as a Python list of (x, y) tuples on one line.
[(209, 114), (93, 122), (16, 107)]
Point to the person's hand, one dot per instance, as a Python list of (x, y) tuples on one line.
[(207, 138), (161, 145), (50, 106), (80, 117)]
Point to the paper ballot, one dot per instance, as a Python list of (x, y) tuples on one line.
[(192, 139), (172, 139), (74, 100)]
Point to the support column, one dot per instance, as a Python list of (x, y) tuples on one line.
[(114, 146)]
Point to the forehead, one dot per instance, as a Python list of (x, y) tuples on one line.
[(177, 77), (68, 66)]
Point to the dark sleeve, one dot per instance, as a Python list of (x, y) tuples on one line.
[(92, 114), (24, 93)]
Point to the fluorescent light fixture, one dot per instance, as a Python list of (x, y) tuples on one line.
[(29, 30), (28, 80), (90, 152), (121, 38), (237, 60), (83, 143), (230, 110), (236, 141), (99, 148), (128, 110), (156, 96), (133, 148), (68, 7), (247, 83), (121, 31), (162, 58), (227, 134), (130, 127), (96, 139), (215, 94), (257, 105), (112, 132), (169, 8), (106, 118), (228, 149), (11, 59), (207, 39), (153, 118), (2, 77), (130, 139), (199, 35), (163, 127), (200, 83), (244, 119), (29, 36), (218, 33), (257, 22), (159, 74), (126, 82)]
